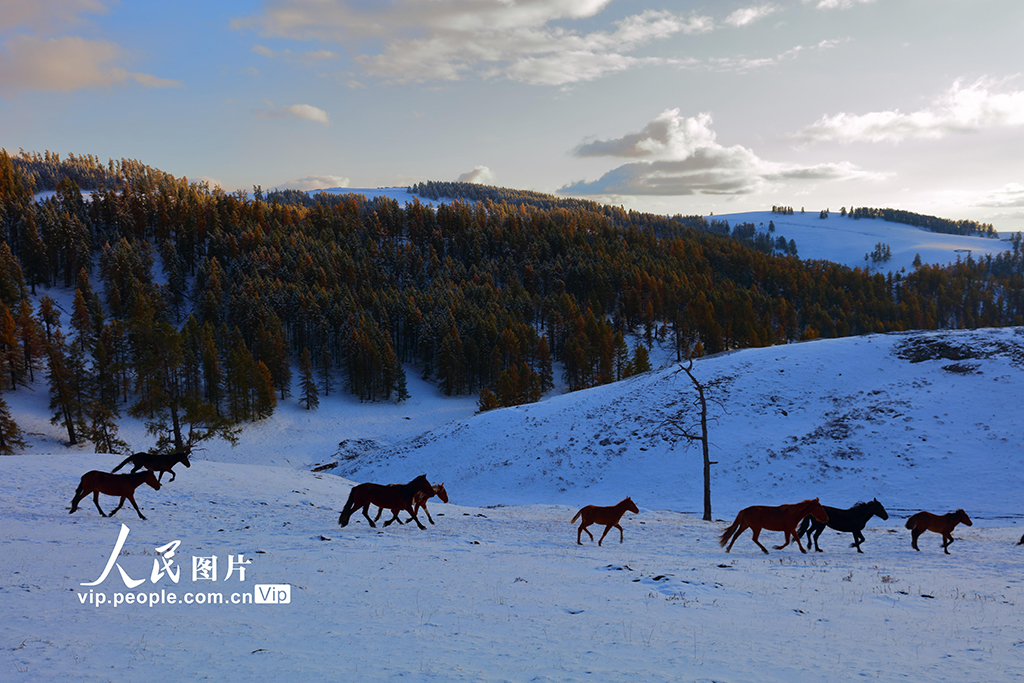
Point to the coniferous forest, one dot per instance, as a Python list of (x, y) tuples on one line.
[(193, 308)]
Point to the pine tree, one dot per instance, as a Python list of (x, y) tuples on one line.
[(308, 393), (11, 437)]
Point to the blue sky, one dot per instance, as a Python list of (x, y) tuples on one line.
[(662, 106)]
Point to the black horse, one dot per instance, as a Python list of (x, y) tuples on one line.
[(852, 520), (160, 462)]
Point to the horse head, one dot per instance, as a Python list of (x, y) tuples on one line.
[(152, 480), (963, 518), (877, 508), (440, 492), (631, 506), (182, 457)]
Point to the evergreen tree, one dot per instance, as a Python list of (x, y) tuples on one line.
[(11, 437), (309, 393)]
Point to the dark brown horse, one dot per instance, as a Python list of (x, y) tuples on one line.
[(1021, 541), (852, 520), (940, 524), (159, 462), (124, 485), (419, 500), (609, 516), (778, 518), (395, 498)]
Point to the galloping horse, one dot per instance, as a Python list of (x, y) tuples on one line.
[(419, 500), (940, 524), (395, 498), (852, 520), (778, 518), (124, 485), (609, 516), (160, 462)]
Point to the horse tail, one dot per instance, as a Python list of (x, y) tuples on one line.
[(805, 526), (346, 512), (573, 520), (912, 522), (724, 538), (126, 461)]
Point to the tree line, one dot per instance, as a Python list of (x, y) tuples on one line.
[(191, 306)]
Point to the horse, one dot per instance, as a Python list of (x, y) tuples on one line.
[(852, 520), (1021, 541), (124, 485), (609, 516), (779, 518), (940, 524), (395, 498), (159, 462), (419, 500)]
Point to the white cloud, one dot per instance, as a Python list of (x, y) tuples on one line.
[(66, 64), (315, 182), (424, 40), (309, 57), (745, 64), (837, 4), (959, 110), (46, 15), (480, 175), (748, 15), (686, 159), (1009, 196), (306, 112)]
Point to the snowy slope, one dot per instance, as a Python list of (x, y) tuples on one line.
[(846, 420), (846, 240)]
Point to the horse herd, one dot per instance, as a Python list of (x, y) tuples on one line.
[(810, 515)]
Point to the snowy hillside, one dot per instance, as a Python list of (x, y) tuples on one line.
[(845, 240), (919, 420)]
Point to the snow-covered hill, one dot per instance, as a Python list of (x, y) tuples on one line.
[(498, 590)]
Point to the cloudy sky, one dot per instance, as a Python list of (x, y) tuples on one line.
[(691, 107)]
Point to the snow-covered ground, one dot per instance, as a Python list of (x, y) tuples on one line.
[(846, 240), (497, 589)]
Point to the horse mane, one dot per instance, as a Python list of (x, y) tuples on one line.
[(860, 505)]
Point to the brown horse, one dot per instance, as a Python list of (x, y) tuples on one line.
[(778, 518), (940, 524), (609, 516), (395, 498), (419, 500), (124, 485), (159, 462)]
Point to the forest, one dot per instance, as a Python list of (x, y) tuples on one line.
[(193, 308)]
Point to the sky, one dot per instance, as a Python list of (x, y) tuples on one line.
[(670, 107)]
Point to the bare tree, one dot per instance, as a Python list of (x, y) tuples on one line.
[(678, 425)]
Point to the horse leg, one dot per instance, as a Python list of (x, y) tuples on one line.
[(366, 514), (858, 538), (757, 533), (79, 495), (131, 497), (172, 476), (583, 527), (415, 518), (380, 511), (114, 511), (914, 535), (394, 518), (606, 530), (96, 500), (620, 532), (947, 540), (424, 508), (743, 527)]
